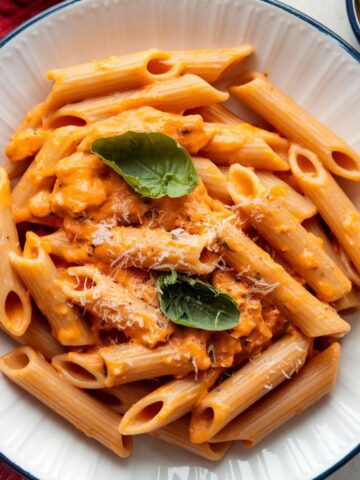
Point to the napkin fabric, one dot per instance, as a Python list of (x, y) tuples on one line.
[(15, 12), (7, 473)]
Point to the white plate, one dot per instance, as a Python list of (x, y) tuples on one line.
[(320, 74)]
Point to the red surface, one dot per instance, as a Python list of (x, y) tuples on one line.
[(7, 473), (15, 12)]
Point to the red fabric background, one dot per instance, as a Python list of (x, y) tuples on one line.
[(12, 14), (7, 473), (15, 12)]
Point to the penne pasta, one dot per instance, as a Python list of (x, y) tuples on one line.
[(39, 274), (166, 404), (175, 251), (32, 373), (286, 234), (210, 64), (134, 70), (298, 205), (15, 306), (176, 433), (122, 397), (15, 170), (108, 75), (116, 306), (247, 145), (213, 178), (188, 131), (348, 266), (350, 299), (218, 114), (26, 144), (174, 95), (83, 370), (298, 125), (28, 138), (279, 362), (314, 226), (312, 316), (58, 244), (315, 380), (38, 336), (334, 206), (130, 362), (158, 250), (39, 175)]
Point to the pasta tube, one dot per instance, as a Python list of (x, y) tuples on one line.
[(333, 204), (15, 170), (286, 234), (38, 336), (213, 178), (29, 137), (174, 95), (130, 362), (32, 373), (15, 306), (187, 130), (218, 114), (247, 385), (348, 266), (176, 433), (295, 123), (39, 175), (122, 397), (39, 274), (210, 64), (108, 75), (313, 317), (116, 306), (26, 144), (83, 370), (159, 250), (134, 70), (313, 226), (166, 404), (315, 380), (350, 299), (298, 205), (58, 244), (247, 145)]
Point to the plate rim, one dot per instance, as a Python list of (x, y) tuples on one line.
[(276, 3), (353, 18)]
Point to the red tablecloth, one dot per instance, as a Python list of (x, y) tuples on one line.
[(14, 12), (7, 473)]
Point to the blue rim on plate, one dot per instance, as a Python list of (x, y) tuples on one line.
[(319, 26), (354, 17)]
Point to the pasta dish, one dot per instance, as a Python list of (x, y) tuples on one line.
[(169, 268)]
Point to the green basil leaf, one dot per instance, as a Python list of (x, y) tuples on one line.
[(192, 303), (152, 163)]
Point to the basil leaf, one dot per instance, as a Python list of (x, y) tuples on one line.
[(192, 303), (152, 163)]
